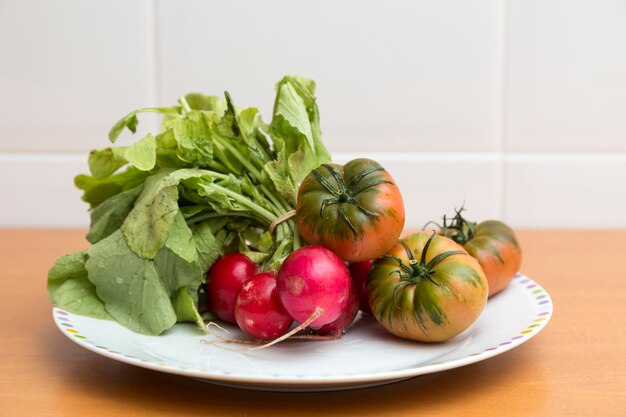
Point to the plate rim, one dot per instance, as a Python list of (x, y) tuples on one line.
[(544, 303)]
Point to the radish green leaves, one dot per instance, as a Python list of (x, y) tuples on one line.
[(163, 209)]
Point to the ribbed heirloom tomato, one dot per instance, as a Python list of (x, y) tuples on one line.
[(355, 210), (492, 243), (427, 288)]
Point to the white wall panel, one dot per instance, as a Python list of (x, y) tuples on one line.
[(566, 191), (69, 69), (567, 75), (38, 190), (394, 76)]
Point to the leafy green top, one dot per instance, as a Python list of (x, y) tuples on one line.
[(211, 181)]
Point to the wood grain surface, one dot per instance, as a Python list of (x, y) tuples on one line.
[(576, 366)]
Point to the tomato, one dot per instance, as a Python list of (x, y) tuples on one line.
[(224, 280), (493, 243), (355, 210), (359, 272), (427, 288)]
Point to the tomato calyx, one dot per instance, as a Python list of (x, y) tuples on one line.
[(346, 194), (416, 270), (460, 230)]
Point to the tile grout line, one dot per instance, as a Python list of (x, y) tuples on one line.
[(400, 157), (501, 102)]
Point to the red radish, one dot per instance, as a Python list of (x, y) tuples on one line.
[(258, 310), (359, 272), (346, 318), (224, 280), (314, 285)]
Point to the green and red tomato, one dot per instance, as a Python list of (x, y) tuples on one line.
[(492, 243), (427, 288), (355, 210)]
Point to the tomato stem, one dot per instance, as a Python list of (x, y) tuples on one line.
[(460, 230)]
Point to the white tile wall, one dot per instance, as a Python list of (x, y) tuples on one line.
[(38, 190), (517, 108), (566, 75), (69, 69), (567, 191), (414, 75)]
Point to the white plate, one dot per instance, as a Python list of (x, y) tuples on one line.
[(365, 356)]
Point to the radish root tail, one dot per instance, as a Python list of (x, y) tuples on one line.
[(317, 337), (225, 339), (318, 312)]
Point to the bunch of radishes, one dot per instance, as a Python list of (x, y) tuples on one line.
[(312, 287)]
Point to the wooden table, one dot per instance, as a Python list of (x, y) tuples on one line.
[(576, 366)]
